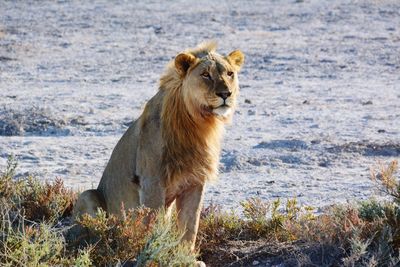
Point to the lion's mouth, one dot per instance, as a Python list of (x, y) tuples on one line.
[(223, 105), (223, 110)]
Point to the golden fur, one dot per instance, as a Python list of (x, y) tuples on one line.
[(172, 150)]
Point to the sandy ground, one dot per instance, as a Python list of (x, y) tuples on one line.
[(320, 90)]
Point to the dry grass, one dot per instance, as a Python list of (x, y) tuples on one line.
[(362, 234), (38, 201), (34, 223), (116, 240)]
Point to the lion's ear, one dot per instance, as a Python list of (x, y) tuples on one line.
[(236, 58), (183, 62)]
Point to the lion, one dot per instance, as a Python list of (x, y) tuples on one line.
[(172, 150)]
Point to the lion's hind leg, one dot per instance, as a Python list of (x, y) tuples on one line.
[(88, 202)]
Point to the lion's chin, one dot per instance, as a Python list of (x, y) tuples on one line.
[(223, 111)]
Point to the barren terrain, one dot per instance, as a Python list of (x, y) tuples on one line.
[(320, 90)]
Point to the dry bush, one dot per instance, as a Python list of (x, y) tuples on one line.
[(116, 239), (36, 200), (48, 201), (9, 188), (26, 243), (366, 234), (29, 211), (140, 236), (385, 176), (217, 226), (261, 220), (363, 234)]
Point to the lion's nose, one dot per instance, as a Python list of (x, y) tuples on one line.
[(224, 95)]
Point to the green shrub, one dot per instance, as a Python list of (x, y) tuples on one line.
[(25, 243), (163, 246), (371, 210)]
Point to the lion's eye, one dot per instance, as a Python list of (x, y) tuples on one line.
[(230, 73), (206, 75)]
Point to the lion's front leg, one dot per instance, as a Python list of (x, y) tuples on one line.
[(151, 193), (189, 205)]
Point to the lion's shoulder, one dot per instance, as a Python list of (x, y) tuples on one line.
[(151, 115)]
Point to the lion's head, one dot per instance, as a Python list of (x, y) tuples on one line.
[(209, 80)]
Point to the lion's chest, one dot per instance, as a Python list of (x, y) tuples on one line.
[(178, 187), (189, 164), (183, 183)]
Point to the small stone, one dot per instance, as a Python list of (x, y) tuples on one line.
[(369, 102), (381, 131), (247, 101), (251, 112), (323, 164), (305, 102), (158, 29)]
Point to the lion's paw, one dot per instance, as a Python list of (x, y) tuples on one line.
[(200, 264)]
